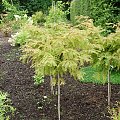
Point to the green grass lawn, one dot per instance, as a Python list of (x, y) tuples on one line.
[(90, 76)]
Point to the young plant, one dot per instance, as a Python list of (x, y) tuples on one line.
[(57, 50), (38, 79), (115, 112), (38, 18), (106, 54), (5, 107)]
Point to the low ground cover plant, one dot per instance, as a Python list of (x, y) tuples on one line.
[(115, 112), (5, 107)]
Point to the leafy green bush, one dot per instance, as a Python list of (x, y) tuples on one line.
[(115, 112), (5, 107), (103, 15), (106, 53), (103, 12), (57, 49), (38, 79), (13, 26), (38, 18), (27, 31), (56, 14), (11, 10), (19, 38), (22, 34), (33, 6)]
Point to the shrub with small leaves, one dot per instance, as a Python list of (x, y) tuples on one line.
[(11, 10), (5, 107), (115, 112), (56, 13), (38, 18)]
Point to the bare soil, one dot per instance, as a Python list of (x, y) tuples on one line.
[(79, 101)]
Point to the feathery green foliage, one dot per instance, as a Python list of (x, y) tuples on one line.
[(106, 53), (56, 50)]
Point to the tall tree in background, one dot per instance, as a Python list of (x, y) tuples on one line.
[(35, 5), (1, 7)]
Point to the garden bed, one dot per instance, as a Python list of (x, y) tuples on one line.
[(79, 101)]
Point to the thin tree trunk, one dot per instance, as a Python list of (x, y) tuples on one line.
[(12, 2), (58, 97), (51, 85), (109, 88)]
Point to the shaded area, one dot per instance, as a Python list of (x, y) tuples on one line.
[(79, 101)]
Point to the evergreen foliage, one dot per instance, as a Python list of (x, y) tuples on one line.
[(105, 14)]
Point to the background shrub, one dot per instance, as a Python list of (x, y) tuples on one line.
[(35, 5), (105, 13), (79, 7), (38, 18)]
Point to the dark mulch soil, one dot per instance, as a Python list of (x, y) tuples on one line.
[(79, 101)]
